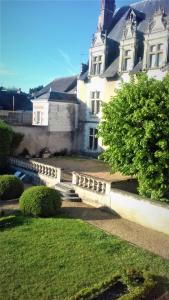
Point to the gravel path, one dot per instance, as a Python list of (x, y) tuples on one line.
[(151, 240)]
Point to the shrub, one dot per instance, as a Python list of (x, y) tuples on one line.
[(6, 135), (10, 187), (9, 141), (16, 140), (40, 201)]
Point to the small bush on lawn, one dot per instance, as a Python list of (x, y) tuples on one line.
[(40, 201), (10, 187)]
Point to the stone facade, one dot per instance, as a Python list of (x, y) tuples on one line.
[(135, 40), (37, 138)]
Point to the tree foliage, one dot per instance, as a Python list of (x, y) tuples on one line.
[(135, 129), (9, 141), (36, 89), (6, 136)]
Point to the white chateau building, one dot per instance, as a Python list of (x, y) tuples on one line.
[(128, 40)]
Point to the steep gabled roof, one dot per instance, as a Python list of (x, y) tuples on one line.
[(52, 96), (64, 84), (143, 11)]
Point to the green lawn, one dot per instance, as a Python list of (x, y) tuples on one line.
[(54, 258)]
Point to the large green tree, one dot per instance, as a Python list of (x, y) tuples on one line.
[(135, 129)]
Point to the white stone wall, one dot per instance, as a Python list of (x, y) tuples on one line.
[(62, 117), (36, 138), (129, 206)]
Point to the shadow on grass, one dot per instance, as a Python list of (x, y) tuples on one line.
[(11, 221), (161, 287)]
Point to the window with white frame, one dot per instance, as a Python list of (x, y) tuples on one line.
[(156, 55), (127, 60), (38, 117), (97, 65), (95, 103), (93, 140)]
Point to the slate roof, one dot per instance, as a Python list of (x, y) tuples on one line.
[(137, 68), (21, 101), (52, 96), (63, 85), (144, 11)]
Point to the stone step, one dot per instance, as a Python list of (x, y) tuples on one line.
[(64, 189), (71, 198), (67, 192)]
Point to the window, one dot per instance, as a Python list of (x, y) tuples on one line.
[(38, 117), (97, 65), (95, 102), (159, 55), (156, 56), (127, 60), (93, 140)]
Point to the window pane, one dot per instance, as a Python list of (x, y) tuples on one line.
[(127, 64), (95, 58), (91, 131), (92, 95), (93, 106), (95, 143), (160, 47), (97, 106), (97, 95), (94, 69), (100, 58), (38, 117), (153, 48), (152, 60), (90, 142), (99, 68), (159, 59)]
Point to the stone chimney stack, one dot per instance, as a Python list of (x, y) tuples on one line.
[(106, 15)]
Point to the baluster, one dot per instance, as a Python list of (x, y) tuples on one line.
[(80, 180), (88, 183), (98, 186), (93, 184), (84, 181)]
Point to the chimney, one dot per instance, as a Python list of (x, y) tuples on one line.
[(84, 68), (106, 15)]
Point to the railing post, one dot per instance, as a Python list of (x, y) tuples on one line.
[(59, 174), (74, 178), (108, 188)]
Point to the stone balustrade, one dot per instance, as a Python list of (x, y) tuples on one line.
[(37, 167), (91, 183)]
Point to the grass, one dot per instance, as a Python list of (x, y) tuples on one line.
[(55, 258)]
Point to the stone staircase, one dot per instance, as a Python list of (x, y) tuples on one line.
[(67, 191)]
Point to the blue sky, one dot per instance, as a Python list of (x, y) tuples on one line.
[(41, 40)]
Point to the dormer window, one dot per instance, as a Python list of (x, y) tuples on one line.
[(127, 60), (95, 103), (97, 65), (156, 56)]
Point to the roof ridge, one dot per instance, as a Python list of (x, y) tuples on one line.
[(67, 77), (135, 3)]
